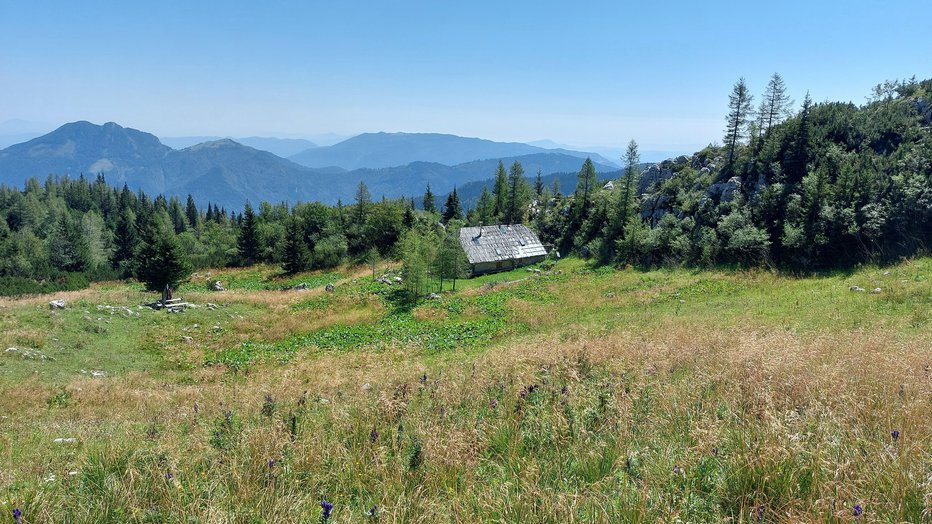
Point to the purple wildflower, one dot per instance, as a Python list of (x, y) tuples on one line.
[(565, 390), (18, 516), (373, 435), (168, 475), (326, 508), (677, 470), (858, 510), (760, 513), (271, 463), (373, 511), (196, 409), (493, 403), (715, 451), (895, 435), (424, 378)]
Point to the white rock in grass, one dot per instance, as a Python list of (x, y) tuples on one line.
[(57, 304), (876, 291), (64, 440), (856, 288)]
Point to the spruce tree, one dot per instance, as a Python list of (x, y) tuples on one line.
[(160, 260), (538, 186), (297, 257), (190, 211), (586, 182), (125, 242), (739, 112), (484, 207), (429, 205), (452, 209), (247, 240)]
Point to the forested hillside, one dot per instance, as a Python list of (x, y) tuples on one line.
[(827, 185)]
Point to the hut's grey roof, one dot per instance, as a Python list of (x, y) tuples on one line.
[(500, 243)]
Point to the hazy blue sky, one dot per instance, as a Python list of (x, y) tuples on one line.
[(584, 73)]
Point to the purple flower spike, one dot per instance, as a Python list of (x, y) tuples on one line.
[(327, 508), (895, 435), (271, 463), (493, 403), (760, 513), (373, 511), (18, 516), (374, 435), (858, 510)]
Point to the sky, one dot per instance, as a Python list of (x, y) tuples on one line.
[(587, 73)]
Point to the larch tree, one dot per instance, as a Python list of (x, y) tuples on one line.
[(500, 192), (775, 105), (739, 114)]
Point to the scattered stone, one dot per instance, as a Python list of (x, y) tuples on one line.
[(187, 340), (886, 273), (398, 280), (11, 350), (682, 159), (856, 288), (329, 288), (876, 291), (211, 306), (725, 191), (98, 374), (57, 304), (609, 186), (433, 296), (216, 286), (610, 295), (367, 386), (216, 328), (68, 440), (301, 286)]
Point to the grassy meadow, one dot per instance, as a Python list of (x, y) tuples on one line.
[(576, 395)]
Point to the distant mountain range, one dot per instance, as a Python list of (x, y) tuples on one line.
[(283, 147), (229, 173), (380, 150)]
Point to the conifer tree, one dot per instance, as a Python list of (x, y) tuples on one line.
[(247, 240), (160, 260), (191, 212), (739, 112), (429, 204), (500, 192), (774, 106), (518, 194), (538, 186), (125, 242), (297, 257), (363, 200), (452, 209), (484, 207), (586, 183)]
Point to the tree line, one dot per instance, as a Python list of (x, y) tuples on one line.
[(826, 185)]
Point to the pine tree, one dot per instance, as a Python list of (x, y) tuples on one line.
[(798, 155), (500, 192), (452, 209), (297, 257), (774, 106), (625, 205), (248, 240), (739, 112), (429, 205), (538, 186)]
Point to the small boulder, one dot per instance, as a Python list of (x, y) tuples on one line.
[(876, 291), (57, 304), (329, 288), (398, 279), (301, 286), (216, 286), (680, 160), (433, 296), (608, 186), (187, 340), (857, 289)]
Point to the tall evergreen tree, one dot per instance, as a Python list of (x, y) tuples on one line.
[(190, 211), (248, 239), (538, 186), (452, 209), (500, 192), (518, 194), (774, 106), (429, 204), (739, 113), (363, 200), (586, 183), (297, 257), (484, 207), (161, 260), (125, 242), (798, 155)]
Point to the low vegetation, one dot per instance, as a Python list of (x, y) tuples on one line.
[(578, 394)]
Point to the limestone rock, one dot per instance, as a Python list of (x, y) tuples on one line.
[(57, 304), (329, 288), (216, 286)]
